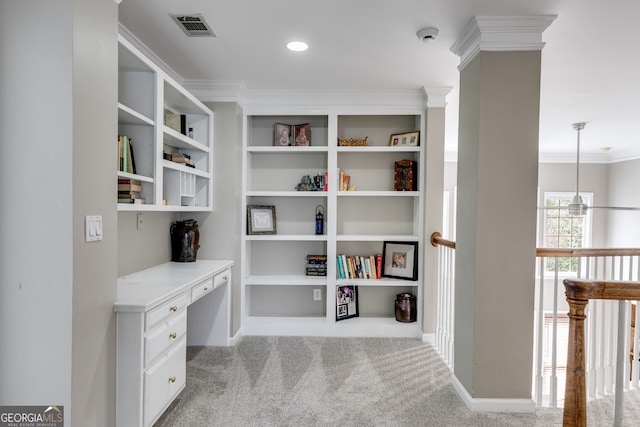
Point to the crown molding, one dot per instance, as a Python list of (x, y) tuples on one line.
[(437, 96), (500, 33), (217, 90), (235, 91), (131, 38)]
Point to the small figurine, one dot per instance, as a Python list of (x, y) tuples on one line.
[(306, 184)]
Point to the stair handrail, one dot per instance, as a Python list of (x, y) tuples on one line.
[(579, 292), (437, 239)]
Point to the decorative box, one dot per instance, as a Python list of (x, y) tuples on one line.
[(405, 175)]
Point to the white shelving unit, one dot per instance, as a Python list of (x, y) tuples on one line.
[(145, 95), (277, 297)]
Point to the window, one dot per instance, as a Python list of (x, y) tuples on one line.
[(563, 230)]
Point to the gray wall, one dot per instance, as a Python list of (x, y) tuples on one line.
[(143, 248), (95, 88), (561, 177), (59, 87), (498, 156), (220, 230), (623, 229)]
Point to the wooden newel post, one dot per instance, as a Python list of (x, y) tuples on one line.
[(575, 403)]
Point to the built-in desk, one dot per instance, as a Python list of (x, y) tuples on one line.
[(154, 329)]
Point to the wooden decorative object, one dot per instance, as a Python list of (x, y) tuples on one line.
[(352, 142)]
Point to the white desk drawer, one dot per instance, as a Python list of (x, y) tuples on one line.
[(201, 289), (221, 278), (166, 334), (164, 380), (165, 311)]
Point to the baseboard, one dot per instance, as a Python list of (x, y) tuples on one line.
[(429, 338), (236, 338), (492, 405)]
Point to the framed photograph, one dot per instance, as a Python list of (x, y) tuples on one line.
[(302, 135), (282, 135), (407, 139), (400, 260), (261, 219), (346, 302)]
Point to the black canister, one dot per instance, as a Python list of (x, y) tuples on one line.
[(184, 240), (406, 308)]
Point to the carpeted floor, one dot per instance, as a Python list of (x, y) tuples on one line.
[(316, 381)]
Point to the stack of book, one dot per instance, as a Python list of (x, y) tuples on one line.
[(359, 267), (316, 265), (129, 191), (182, 158)]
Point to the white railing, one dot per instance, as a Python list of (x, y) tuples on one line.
[(551, 324), (445, 297), (601, 326)]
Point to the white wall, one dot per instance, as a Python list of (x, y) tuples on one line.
[(36, 266), (57, 127)]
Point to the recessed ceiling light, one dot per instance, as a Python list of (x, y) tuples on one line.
[(297, 46)]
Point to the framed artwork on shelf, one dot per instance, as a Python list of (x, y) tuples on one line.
[(346, 302), (302, 135), (400, 260), (282, 135), (406, 139), (261, 219)]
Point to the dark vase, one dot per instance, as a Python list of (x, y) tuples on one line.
[(184, 240), (405, 308)]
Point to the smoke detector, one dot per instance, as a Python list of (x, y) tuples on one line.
[(428, 34), (193, 25)]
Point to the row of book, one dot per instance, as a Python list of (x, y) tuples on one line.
[(130, 191), (359, 267), (126, 159), (316, 265)]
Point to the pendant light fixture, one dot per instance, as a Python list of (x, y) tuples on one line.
[(577, 205)]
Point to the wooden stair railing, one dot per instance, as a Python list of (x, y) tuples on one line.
[(437, 239), (579, 292)]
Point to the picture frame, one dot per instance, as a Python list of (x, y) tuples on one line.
[(302, 135), (346, 302), (405, 139), (261, 219), (400, 260), (282, 135)]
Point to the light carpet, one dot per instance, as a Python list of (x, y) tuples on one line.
[(318, 381)]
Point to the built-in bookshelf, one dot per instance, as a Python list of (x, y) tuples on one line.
[(169, 135), (278, 298)]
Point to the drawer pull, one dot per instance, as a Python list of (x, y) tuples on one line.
[(206, 289), (172, 379), (172, 335), (225, 278), (173, 308)]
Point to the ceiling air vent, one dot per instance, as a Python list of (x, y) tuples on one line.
[(193, 25)]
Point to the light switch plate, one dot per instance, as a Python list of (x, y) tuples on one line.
[(93, 228)]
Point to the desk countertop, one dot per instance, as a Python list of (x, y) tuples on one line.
[(145, 289)]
